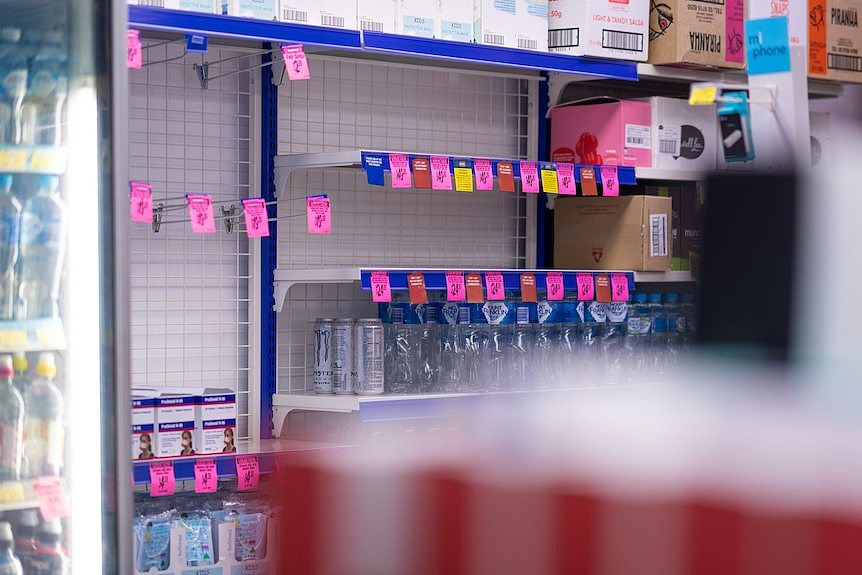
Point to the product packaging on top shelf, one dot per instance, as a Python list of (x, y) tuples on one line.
[(416, 18), (207, 6), (143, 424), (257, 9), (683, 136), (613, 233), (376, 15), (796, 12), (299, 11), (175, 424), (602, 28), (337, 14), (835, 40), (602, 131), (215, 421), (512, 23), (700, 32), (455, 20)]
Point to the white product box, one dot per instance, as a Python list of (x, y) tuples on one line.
[(795, 10), (207, 6), (337, 14), (683, 136), (215, 420), (821, 138), (376, 15), (512, 23), (616, 29), (257, 9), (175, 424), (455, 20), (299, 11), (143, 424), (416, 18)]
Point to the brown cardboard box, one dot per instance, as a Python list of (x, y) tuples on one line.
[(674, 193), (834, 40), (613, 233), (691, 225), (703, 32)]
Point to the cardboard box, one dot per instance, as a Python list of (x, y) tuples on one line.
[(514, 24), (299, 11), (175, 424), (795, 10), (683, 136), (835, 40), (702, 32), (337, 14), (257, 9), (603, 28), (376, 15), (672, 192), (143, 425), (416, 18), (455, 20), (215, 421), (602, 131), (691, 217), (613, 233)]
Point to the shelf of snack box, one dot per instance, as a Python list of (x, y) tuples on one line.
[(47, 160), (267, 450), (21, 494), (435, 279), (373, 45), (32, 335)]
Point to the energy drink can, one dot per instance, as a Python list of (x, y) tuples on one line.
[(342, 356), (368, 357), (323, 355)]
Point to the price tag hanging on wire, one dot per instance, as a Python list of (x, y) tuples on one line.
[(256, 218), (494, 286), (295, 62), (134, 56), (201, 213), (318, 215), (141, 202)]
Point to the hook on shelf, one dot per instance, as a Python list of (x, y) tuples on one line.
[(158, 215)]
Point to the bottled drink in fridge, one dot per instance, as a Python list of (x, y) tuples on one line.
[(21, 365), (638, 328), (13, 85), (521, 344), (658, 334), (50, 558), (595, 314), (547, 337), (427, 358), (451, 347), (43, 421), (47, 86), (42, 251), (9, 563), (10, 231), (675, 329), (368, 357), (402, 345), (475, 334), (495, 358), (570, 343), (11, 422), (25, 539), (613, 340), (688, 312)]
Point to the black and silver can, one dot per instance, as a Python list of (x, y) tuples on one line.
[(342, 356), (368, 357), (323, 355)]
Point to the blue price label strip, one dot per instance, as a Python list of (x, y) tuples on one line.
[(196, 43)]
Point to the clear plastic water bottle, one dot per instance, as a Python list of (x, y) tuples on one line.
[(546, 356), (13, 85), (9, 563), (43, 421), (427, 359), (689, 313), (25, 539), (495, 358), (451, 346), (11, 423), (638, 328), (613, 339), (47, 87), (658, 334), (400, 345), (50, 558), (675, 329), (522, 344), (570, 343), (42, 251), (10, 232), (475, 333), (595, 315)]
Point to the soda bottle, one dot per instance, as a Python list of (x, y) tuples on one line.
[(43, 421), (451, 348), (11, 422), (47, 87), (13, 85), (42, 251), (25, 539), (570, 343), (50, 559), (547, 338), (9, 564), (10, 231)]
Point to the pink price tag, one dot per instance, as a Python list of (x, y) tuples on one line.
[(400, 168), (295, 62), (566, 179), (141, 202), (206, 476), (134, 56), (201, 213), (494, 287), (441, 179), (256, 218), (619, 287), (610, 181), (162, 478), (484, 175), (247, 472), (51, 497), (455, 288), (586, 287), (530, 177), (318, 214), (554, 284), (381, 291)]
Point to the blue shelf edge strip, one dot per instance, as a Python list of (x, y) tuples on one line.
[(184, 468), (379, 162), (148, 17), (436, 279)]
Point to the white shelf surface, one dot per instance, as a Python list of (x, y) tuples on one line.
[(663, 277)]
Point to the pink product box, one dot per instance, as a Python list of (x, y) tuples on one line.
[(602, 131)]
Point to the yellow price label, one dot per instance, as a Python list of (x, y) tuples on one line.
[(13, 160), (13, 339), (702, 95), (12, 492), (549, 182), (464, 179), (43, 160)]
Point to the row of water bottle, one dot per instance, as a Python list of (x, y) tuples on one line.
[(33, 228), (34, 82), (512, 345)]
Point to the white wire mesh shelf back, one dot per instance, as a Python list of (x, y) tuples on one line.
[(375, 106), (190, 292)]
